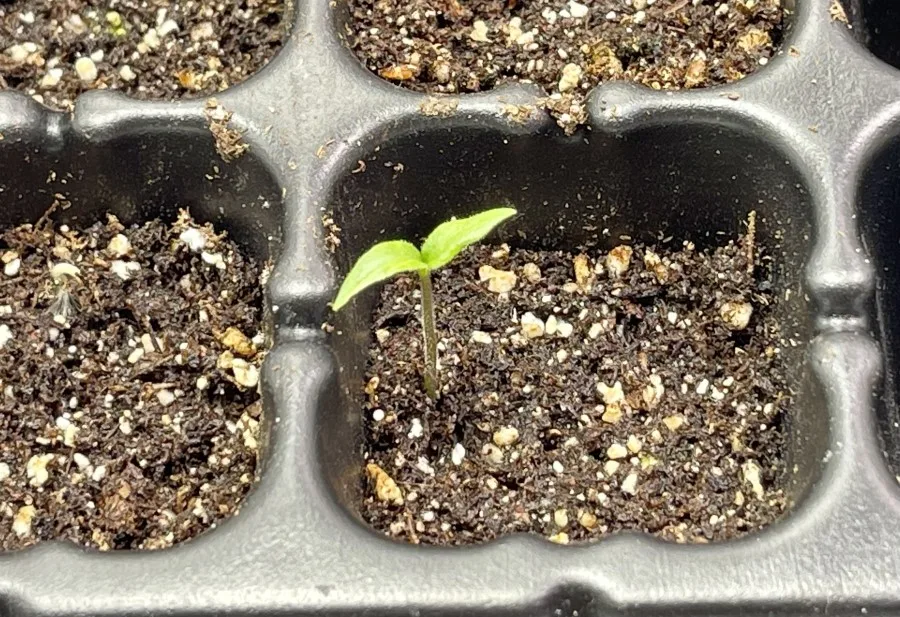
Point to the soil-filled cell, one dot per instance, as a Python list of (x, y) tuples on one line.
[(627, 353), (55, 50), (564, 46), (133, 326)]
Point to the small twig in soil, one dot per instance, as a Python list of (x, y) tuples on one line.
[(676, 7), (411, 529), (750, 241), (59, 202), (402, 316), (153, 366)]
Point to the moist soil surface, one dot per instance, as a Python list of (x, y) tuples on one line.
[(565, 46), (600, 393), (153, 49), (128, 387)]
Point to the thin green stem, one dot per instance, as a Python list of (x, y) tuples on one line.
[(432, 382)]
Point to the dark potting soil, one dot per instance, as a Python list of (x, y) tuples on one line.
[(128, 385), (154, 49), (565, 46), (582, 401)]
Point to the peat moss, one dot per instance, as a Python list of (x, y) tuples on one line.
[(128, 382), (640, 389)]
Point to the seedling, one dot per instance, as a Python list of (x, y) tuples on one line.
[(387, 259)]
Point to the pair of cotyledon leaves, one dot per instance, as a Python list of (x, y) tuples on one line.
[(387, 259)]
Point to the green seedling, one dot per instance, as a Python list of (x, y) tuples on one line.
[(387, 259)]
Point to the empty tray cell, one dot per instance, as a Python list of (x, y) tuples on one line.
[(133, 324), (565, 46), (614, 359), (53, 51), (880, 193)]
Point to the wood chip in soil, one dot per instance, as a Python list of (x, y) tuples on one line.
[(565, 46), (129, 411), (641, 389), (159, 49)]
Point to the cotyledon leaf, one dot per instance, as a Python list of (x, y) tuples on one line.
[(380, 262), (448, 239)]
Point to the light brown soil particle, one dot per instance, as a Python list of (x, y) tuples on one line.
[(154, 49), (595, 396), (129, 412), (837, 12), (565, 46)]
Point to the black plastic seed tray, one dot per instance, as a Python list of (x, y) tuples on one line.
[(811, 142)]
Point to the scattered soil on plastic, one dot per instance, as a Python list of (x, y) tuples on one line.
[(636, 390), (128, 383), (565, 46), (157, 49), (229, 141)]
